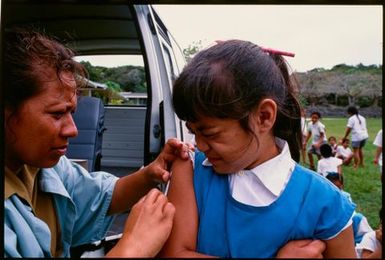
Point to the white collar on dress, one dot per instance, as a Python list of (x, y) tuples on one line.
[(275, 172)]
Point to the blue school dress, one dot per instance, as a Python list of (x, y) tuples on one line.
[(309, 207)]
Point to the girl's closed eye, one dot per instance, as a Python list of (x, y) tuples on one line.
[(210, 135)]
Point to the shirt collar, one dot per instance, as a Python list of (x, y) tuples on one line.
[(275, 172), (20, 182)]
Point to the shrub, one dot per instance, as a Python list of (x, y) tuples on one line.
[(342, 101), (364, 101)]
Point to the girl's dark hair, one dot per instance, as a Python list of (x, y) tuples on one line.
[(26, 54), (354, 111), (335, 176), (316, 113), (326, 150), (229, 79)]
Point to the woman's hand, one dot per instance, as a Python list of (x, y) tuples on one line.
[(302, 249), (129, 189), (147, 227), (158, 170)]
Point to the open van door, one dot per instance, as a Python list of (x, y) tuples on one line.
[(163, 67)]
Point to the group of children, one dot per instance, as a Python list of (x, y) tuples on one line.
[(331, 156)]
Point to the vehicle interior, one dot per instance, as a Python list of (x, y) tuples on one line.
[(74, 25)]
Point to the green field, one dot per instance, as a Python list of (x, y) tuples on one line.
[(364, 184)]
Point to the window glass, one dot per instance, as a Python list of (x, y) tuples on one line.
[(169, 64), (178, 55), (119, 80)]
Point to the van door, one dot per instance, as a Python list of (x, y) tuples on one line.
[(163, 69)]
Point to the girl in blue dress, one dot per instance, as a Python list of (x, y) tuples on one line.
[(244, 194)]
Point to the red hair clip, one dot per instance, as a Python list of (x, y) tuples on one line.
[(273, 51), (269, 50)]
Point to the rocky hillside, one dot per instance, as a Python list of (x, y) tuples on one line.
[(332, 91)]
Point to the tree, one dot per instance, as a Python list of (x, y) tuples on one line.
[(192, 49), (95, 73)]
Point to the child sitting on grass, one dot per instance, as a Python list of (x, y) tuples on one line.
[(333, 143), (344, 152), (328, 163)]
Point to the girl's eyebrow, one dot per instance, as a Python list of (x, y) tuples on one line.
[(199, 128)]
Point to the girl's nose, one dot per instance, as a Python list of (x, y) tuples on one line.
[(201, 144)]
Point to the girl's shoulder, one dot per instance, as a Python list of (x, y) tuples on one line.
[(311, 180)]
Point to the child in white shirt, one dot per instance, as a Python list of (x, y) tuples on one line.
[(333, 143), (328, 163), (344, 152), (370, 245), (357, 126), (316, 131)]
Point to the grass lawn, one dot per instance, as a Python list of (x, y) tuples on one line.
[(364, 184)]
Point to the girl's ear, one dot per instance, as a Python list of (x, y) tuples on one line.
[(266, 114)]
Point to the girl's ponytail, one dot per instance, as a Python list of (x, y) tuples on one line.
[(288, 123)]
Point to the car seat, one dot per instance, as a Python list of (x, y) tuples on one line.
[(89, 120)]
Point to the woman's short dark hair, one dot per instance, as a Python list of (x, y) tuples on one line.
[(26, 53), (229, 79)]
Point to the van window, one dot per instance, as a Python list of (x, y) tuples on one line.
[(119, 80), (169, 64), (179, 58)]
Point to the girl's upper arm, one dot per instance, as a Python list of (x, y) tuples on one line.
[(341, 246), (181, 194)]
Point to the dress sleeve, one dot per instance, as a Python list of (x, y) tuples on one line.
[(335, 214)]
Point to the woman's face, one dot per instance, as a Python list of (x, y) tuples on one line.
[(37, 134), (225, 143)]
